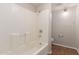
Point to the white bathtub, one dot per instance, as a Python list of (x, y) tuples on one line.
[(21, 44), (43, 50), (31, 49)]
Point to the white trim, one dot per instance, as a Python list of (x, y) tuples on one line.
[(77, 50), (66, 46)]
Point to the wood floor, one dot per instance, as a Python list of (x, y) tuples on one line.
[(59, 50)]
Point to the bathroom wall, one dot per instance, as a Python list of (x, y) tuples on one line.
[(43, 12), (63, 26), (77, 26), (43, 21), (15, 19)]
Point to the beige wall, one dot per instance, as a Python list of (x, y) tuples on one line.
[(45, 23), (63, 27), (77, 26), (15, 19)]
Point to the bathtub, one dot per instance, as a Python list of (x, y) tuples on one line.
[(44, 50), (31, 49), (21, 44)]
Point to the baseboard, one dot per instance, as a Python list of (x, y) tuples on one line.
[(66, 46), (49, 53), (78, 51)]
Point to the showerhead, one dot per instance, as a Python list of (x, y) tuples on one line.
[(65, 9)]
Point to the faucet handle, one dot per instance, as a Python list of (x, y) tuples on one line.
[(40, 31)]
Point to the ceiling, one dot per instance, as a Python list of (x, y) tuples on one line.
[(53, 4), (62, 4), (39, 4), (35, 6)]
